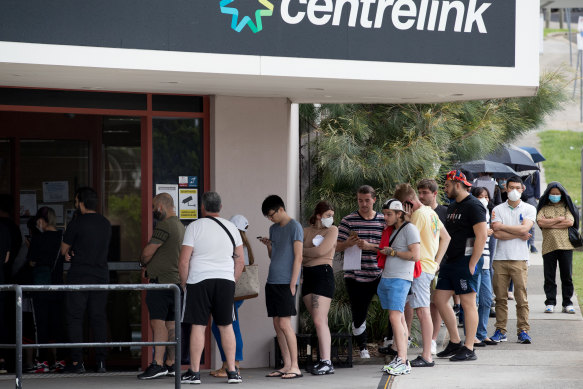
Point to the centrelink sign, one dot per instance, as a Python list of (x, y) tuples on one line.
[(453, 32)]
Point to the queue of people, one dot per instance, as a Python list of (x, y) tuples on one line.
[(416, 255)]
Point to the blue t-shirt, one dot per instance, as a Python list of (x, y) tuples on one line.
[(282, 251)]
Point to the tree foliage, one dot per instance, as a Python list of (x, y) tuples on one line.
[(383, 145)]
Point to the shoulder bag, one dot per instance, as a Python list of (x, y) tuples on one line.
[(247, 286), (575, 238)]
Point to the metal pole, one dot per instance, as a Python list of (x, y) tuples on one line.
[(18, 367), (177, 337), (576, 68), (568, 10)]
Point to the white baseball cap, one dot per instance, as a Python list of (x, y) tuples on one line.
[(393, 204), (240, 222)]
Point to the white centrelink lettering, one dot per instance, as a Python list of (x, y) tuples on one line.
[(422, 14), (399, 12), (328, 6), (475, 16), (364, 13), (339, 7), (287, 17), (381, 7), (459, 17), (433, 15)]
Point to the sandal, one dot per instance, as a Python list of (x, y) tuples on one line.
[(221, 373), (275, 374), (293, 375), (421, 362)]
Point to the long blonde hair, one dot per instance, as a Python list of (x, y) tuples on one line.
[(249, 249)]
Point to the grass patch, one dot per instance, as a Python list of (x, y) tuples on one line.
[(562, 149), (548, 31)]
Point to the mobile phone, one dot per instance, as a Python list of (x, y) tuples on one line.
[(409, 203), (353, 233)]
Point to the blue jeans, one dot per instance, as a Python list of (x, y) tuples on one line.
[(484, 304), (238, 338)]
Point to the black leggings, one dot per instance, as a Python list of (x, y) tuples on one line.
[(565, 260), (360, 295)]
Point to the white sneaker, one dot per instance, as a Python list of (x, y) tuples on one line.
[(364, 354), (433, 347), (569, 309), (549, 308)]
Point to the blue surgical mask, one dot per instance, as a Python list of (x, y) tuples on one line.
[(555, 198), (502, 183)]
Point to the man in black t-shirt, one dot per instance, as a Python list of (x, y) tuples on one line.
[(85, 245), (466, 224)]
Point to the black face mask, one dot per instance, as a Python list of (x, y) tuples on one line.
[(159, 215)]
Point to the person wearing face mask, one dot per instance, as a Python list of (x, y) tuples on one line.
[(511, 222), (47, 268), (555, 214), (318, 286), (160, 257), (485, 280)]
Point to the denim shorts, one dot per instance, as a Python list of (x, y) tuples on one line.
[(393, 293)]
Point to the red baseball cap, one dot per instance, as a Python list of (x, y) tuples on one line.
[(457, 175)]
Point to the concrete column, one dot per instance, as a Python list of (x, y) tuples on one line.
[(255, 153)]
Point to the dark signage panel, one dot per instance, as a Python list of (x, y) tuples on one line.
[(454, 32)]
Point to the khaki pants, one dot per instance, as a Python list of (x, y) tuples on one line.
[(517, 271)]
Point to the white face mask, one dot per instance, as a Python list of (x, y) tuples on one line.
[(327, 221), (484, 202), (514, 195)]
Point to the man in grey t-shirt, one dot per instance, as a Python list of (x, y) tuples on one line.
[(284, 247)]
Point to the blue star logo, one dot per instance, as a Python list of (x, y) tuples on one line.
[(246, 21)]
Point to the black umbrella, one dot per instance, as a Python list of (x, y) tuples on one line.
[(513, 158), (483, 166), (534, 153)]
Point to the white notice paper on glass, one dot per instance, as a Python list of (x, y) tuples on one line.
[(352, 256), (55, 191)]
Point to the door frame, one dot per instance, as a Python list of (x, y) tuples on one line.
[(95, 173)]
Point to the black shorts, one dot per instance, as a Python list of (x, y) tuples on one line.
[(213, 296), (279, 300), (160, 304), (318, 280), (457, 277)]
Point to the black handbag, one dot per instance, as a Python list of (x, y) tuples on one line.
[(575, 237)]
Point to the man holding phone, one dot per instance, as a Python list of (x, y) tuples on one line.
[(284, 247), (363, 228)]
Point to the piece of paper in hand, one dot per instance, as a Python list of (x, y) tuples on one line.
[(352, 256), (318, 239)]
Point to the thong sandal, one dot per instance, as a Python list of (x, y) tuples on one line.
[(293, 375), (275, 374)]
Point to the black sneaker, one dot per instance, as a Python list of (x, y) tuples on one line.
[(75, 369), (190, 377), (100, 367), (456, 309), (323, 367), (387, 351), (233, 377), (153, 371), (464, 354), (171, 370), (451, 349)]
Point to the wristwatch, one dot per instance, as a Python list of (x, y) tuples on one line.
[(393, 253)]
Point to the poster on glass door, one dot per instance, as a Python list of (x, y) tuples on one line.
[(188, 203)]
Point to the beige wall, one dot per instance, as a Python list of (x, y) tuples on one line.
[(254, 153)]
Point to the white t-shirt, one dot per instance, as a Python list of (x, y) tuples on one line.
[(513, 249), (212, 254)]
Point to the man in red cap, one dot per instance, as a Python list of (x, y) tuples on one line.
[(466, 224)]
